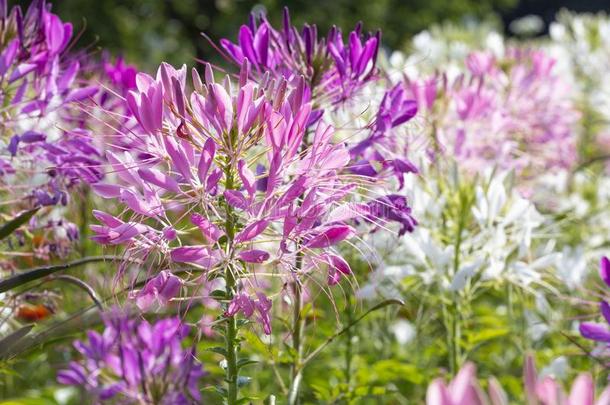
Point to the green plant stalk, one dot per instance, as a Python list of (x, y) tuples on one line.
[(455, 330), (455, 336), (348, 347), (231, 329), (231, 344), (298, 326)]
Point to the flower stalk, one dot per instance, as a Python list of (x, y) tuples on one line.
[(298, 326), (231, 328)]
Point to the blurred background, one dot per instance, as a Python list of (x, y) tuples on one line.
[(148, 31)]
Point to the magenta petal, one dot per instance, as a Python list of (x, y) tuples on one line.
[(137, 204), (107, 219), (162, 287), (208, 229), (178, 158), (530, 378), (605, 310), (253, 256), (233, 50), (604, 270), (251, 231), (189, 254), (333, 276), (21, 71), (462, 389), (126, 231), (550, 390), (245, 42), (595, 331), (169, 233), (340, 264), (159, 179), (81, 94), (247, 177), (213, 180), (583, 390), (107, 190), (330, 236), (236, 199), (437, 394), (206, 159)]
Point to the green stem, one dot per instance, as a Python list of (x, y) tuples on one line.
[(231, 328), (231, 343), (456, 336), (298, 326), (455, 331), (348, 348)]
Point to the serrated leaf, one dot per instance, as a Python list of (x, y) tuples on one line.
[(8, 228)]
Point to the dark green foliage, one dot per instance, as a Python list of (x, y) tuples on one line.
[(148, 31)]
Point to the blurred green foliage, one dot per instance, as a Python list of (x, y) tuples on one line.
[(148, 31)]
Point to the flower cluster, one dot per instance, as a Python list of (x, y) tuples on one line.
[(581, 44), (195, 198), (500, 238), (38, 81), (334, 70), (513, 112), (52, 138), (465, 389), (134, 361)]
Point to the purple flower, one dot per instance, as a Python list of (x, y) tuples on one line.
[(465, 389), (604, 270), (52, 121), (597, 331), (254, 256), (200, 148), (381, 147), (248, 306), (330, 236), (392, 208), (335, 69), (160, 288), (512, 111), (133, 360)]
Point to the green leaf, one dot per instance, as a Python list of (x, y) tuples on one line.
[(65, 328), (487, 334), (221, 391), (218, 349), (242, 322), (245, 400), (10, 227), (40, 272), (219, 294), (244, 362), (12, 339)]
